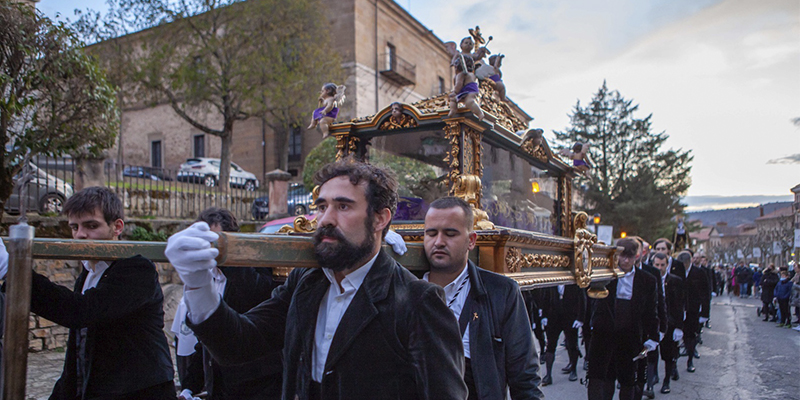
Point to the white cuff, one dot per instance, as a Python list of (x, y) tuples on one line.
[(201, 302)]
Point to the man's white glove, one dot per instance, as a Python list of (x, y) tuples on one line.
[(3, 260), (577, 324), (396, 241), (660, 336), (186, 394), (703, 320), (651, 345), (713, 294), (190, 252), (677, 335), (544, 322), (533, 325)]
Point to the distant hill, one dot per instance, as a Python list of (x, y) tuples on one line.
[(735, 216)]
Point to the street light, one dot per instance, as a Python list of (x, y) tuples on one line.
[(596, 220)]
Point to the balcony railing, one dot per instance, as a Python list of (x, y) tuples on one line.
[(398, 70)]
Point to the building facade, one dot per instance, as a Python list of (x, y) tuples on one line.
[(387, 55)]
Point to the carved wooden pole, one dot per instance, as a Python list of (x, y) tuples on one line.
[(18, 302)]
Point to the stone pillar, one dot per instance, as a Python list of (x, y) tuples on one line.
[(278, 192)]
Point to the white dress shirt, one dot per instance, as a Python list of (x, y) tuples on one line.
[(186, 338), (331, 309), (625, 285), (94, 274), (456, 299)]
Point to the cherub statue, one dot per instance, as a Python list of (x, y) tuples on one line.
[(465, 88), (330, 98), (398, 119), (580, 157), (497, 78)]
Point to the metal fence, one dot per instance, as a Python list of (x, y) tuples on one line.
[(149, 192)]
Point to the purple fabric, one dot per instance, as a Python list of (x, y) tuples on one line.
[(471, 87), (318, 113), (495, 78), (578, 163)]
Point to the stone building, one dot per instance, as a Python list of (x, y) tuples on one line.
[(386, 53)]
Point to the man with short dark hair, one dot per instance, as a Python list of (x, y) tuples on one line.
[(494, 324), (675, 298), (619, 324), (116, 347), (359, 327), (696, 285)]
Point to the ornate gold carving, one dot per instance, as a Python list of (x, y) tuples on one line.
[(532, 144), (600, 262), (341, 146), (501, 110), (404, 121), (452, 131), (301, 225), (432, 105), (565, 205), (516, 260), (352, 145), (584, 240)]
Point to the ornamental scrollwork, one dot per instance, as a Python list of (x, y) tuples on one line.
[(532, 144), (516, 260), (453, 132), (584, 240), (401, 122)]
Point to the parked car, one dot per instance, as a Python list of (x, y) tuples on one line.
[(206, 171), (298, 200), (156, 174), (45, 193)]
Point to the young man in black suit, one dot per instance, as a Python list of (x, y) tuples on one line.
[(116, 347), (647, 373), (359, 327), (696, 284), (563, 310), (492, 317), (619, 324), (675, 297)]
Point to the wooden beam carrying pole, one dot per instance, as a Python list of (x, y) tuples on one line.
[(17, 308)]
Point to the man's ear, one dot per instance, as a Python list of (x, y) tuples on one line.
[(118, 225), (473, 238), (382, 219)]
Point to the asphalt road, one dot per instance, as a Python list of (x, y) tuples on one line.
[(741, 358)]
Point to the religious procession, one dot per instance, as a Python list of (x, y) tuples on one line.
[(449, 248)]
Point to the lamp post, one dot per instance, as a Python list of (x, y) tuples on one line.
[(596, 220)]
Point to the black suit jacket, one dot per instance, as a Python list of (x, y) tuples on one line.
[(126, 350), (677, 268), (397, 339), (696, 294), (245, 288), (675, 300), (661, 304), (500, 341), (566, 310), (644, 308)]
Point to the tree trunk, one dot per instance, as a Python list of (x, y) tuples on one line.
[(88, 172), (225, 160)]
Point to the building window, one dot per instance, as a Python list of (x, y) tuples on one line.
[(391, 57), (199, 145), (155, 153), (442, 88), (295, 144)]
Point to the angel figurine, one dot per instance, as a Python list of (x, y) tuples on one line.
[(497, 78), (580, 157), (465, 88), (330, 98)]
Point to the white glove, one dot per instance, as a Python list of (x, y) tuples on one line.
[(3, 260), (577, 324), (186, 394), (544, 322), (533, 325), (677, 335), (651, 345), (703, 320), (396, 241), (660, 336), (191, 254), (713, 294)]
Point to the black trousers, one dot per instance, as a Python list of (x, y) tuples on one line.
[(611, 357), (786, 311)]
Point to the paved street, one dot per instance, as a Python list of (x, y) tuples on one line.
[(742, 358)]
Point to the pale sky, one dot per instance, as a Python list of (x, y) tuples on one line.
[(721, 77)]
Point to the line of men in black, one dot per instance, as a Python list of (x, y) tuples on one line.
[(359, 327), (655, 303)]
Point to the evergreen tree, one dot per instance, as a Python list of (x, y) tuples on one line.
[(635, 185)]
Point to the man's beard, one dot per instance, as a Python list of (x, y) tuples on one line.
[(342, 254)]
